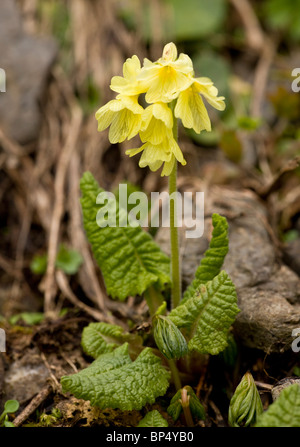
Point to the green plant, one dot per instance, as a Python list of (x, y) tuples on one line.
[(67, 260), (153, 419), (186, 400), (30, 318), (10, 407), (127, 372), (285, 411), (245, 405)]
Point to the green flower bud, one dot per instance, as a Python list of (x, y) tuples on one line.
[(245, 405), (168, 338)]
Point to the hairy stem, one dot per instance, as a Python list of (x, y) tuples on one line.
[(154, 299), (185, 403), (175, 261), (175, 374)]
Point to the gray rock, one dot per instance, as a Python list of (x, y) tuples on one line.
[(282, 384), (268, 291), (26, 61), (25, 377), (291, 255)]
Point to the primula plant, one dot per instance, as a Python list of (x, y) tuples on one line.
[(128, 371)]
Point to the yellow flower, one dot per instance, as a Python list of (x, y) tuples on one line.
[(128, 85), (169, 78), (154, 155), (157, 123), (190, 107), (123, 115), (157, 134), (164, 79)]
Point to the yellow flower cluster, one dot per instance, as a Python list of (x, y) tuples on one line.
[(169, 79)]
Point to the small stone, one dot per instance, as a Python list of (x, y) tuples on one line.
[(284, 383), (25, 377)]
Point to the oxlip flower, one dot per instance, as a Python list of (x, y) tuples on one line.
[(155, 155), (159, 145), (190, 107), (123, 115), (171, 92), (128, 84), (164, 79)]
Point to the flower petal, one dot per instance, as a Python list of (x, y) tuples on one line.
[(128, 85), (131, 68), (104, 116), (167, 85), (168, 167), (191, 110), (157, 123), (210, 93)]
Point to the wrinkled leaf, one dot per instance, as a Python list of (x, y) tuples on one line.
[(129, 259), (213, 259), (153, 419), (285, 411), (208, 315), (113, 380), (100, 338)]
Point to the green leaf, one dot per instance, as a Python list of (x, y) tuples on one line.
[(30, 318), (245, 405), (38, 265), (115, 381), (212, 262), (296, 371), (215, 66), (231, 145), (175, 407), (248, 123), (8, 424), (280, 15), (285, 411), (153, 419), (208, 315), (178, 20), (11, 406), (101, 338), (128, 257), (130, 189), (230, 353), (192, 19), (68, 260)]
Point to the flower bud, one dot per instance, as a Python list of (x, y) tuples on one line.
[(168, 338), (170, 52), (245, 405)]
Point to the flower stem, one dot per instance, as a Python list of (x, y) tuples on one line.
[(175, 261), (185, 403), (175, 374), (154, 299)]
